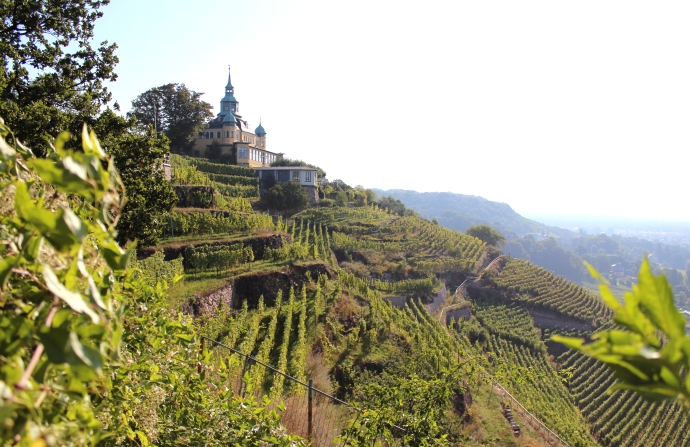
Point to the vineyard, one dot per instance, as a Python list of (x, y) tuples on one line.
[(182, 223), (622, 419), (376, 254), (513, 340), (227, 180), (534, 286), (400, 246)]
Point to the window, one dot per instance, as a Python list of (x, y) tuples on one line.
[(232, 134), (227, 134), (295, 176), (226, 107), (242, 152), (201, 135), (263, 143), (218, 135), (307, 176)]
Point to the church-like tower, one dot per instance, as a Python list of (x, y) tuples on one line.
[(227, 137)]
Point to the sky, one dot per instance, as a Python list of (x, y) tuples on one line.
[(552, 107)]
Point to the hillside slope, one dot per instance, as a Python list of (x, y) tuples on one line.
[(459, 211)]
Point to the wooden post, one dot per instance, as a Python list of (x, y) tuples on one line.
[(201, 356), (309, 409)]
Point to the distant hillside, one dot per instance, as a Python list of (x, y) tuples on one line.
[(459, 211)]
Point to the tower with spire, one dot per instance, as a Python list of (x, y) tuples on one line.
[(229, 138)]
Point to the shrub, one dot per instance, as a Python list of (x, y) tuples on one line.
[(289, 195)]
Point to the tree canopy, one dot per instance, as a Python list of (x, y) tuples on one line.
[(51, 77), (174, 110), (288, 195), (486, 234)]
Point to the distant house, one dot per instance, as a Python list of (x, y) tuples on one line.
[(269, 176), (617, 271)]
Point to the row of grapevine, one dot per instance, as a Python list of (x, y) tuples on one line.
[(536, 286), (219, 168), (198, 223), (217, 257), (234, 179)]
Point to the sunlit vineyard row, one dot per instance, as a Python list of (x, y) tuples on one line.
[(622, 418), (538, 287)]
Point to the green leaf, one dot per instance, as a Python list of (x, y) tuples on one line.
[(5, 149), (86, 354), (76, 226), (114, 255), (73, 299), (657, 298), (6, 266)]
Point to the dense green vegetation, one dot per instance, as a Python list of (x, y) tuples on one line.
[(90, 352)]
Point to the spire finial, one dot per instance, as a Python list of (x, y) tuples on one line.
[(229, 87)]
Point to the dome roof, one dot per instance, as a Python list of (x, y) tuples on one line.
[(259, 131)]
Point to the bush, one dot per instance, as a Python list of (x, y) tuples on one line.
[(288, 195)]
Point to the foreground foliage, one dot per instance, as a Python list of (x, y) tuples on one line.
[(89, 353)]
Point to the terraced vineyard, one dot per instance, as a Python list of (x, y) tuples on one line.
[(622, 419), (229, 180), (428, 248), (535, 286), (513, 340)]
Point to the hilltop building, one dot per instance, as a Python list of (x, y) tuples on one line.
[(231, 133)]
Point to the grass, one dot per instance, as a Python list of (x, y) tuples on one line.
[(190, 287), (489, 427)]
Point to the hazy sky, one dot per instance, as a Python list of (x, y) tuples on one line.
[(549, 106)]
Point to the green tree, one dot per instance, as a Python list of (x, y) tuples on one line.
[(486, 234), (288, 195), (51, 78), (393, 205), (341, 198), (215, 150), (150, 196), (174, 110)]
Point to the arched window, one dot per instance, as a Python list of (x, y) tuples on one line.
[(227, 134), (218, 135)]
